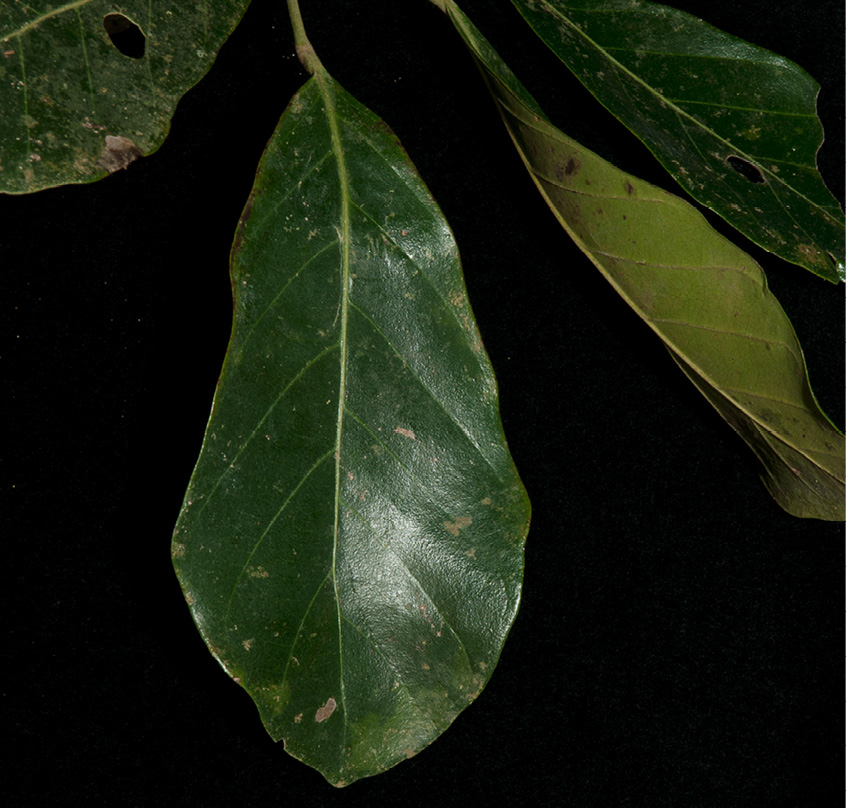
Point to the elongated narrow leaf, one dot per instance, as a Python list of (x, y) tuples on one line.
[(73, 106), (351, 543), (735, 124), (705, 298)]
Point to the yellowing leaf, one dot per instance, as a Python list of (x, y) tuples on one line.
[(703, 296)]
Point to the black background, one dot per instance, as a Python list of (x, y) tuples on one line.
[(679, 642)]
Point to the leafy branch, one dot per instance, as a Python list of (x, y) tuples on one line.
[(364, 517)]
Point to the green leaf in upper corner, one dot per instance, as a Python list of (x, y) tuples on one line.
[(351, 542), (703, 296), (75, 107), (735, 124)]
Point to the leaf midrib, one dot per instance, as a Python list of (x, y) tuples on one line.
[(325, 82), (682, 113)]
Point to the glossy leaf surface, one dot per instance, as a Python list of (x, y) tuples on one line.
[(74, 106), (735, 124), (704, 297), (351, 542)]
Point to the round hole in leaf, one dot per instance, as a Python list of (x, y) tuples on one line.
[(126, 36), (749, 170)]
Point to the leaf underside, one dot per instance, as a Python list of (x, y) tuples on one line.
[(735, 124), (351, 542), (703, 296), (74, 107)]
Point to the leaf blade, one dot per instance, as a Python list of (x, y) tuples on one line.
[(362, 414), (734, 124), (705, 298), (67, 88)]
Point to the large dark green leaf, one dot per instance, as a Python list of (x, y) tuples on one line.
[(705, 298), (74, 107), (351, 543), (735, 124)]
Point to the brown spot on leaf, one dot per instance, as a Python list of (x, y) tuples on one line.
[(812, 255), (326, 710), (118, 153), (458, 525), (629, 189), (406, 433), (571, 167), (423, 608), (88, 125)]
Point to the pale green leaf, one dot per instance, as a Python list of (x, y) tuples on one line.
[(703, 296)]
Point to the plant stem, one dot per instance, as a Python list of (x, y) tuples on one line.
[(305, 52)]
